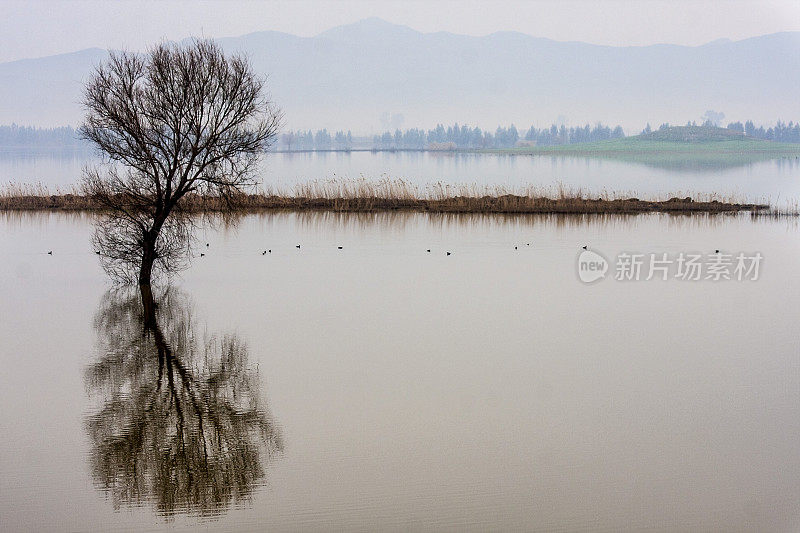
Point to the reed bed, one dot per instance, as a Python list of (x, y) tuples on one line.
[(37, 196), (363, 195)]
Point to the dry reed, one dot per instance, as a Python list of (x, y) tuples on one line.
[(386, 194)]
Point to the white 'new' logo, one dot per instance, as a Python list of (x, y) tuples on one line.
[(591, 266)]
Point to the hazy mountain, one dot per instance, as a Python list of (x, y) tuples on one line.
[(352, 76), (45, 91)]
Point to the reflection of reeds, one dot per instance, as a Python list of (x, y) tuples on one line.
[(316, 221), (790, 209), (394, 195), (398, 222)]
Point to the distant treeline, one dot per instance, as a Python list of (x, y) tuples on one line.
[(464, 136), (780, 132), (563, 135), (450, 137), (321, 140), (439, 138)]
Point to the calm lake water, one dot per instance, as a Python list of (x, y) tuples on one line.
[(383, 388), (776, 181)]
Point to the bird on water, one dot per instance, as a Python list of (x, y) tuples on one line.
[(585, 247), (448, 253), (50, 252), (298, 246)]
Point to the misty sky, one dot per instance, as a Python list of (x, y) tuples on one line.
[(36, 28)]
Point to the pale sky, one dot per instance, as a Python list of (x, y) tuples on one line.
[(35, 28)]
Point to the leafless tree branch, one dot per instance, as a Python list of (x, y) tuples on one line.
[(174, 121)]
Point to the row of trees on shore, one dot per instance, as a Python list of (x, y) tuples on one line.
[(319, 140), (441, 137), (780, 132)]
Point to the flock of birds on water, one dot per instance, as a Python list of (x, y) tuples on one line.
[(269, 251)]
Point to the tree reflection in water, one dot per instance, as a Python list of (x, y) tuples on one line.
[(179, 422)]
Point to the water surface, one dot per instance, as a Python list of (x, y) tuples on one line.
[(488, 389), (776, 180)]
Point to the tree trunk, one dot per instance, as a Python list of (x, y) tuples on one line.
[(148, 258)]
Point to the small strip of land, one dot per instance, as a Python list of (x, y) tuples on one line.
[(505, 203)]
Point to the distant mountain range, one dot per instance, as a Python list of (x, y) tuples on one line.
[(372, 75)]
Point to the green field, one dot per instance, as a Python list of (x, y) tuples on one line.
[(677, 148)]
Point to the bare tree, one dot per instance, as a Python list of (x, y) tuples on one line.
[(175, 123)]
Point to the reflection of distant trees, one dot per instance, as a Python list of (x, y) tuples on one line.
[(15, 136), (179, 422)]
